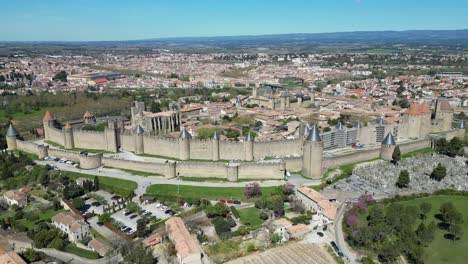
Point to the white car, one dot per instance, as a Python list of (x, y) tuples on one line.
[(69, 162), (131, 232), (158, 205)]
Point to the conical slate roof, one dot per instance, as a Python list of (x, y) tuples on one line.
[(381, 122), (249, 137), (461, 125), (306, 130), (216, 135), (339, 125), (299, 94), (389, 140), (139, 130), (11, 132), (285, 93), (238, 100), (312, 105), (184, 134), (314, 134)]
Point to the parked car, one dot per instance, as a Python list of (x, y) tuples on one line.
[(128, 213), (172, 213), (133, 216), (115, 197), (167, 211), (222, 201), (237, 202), (127, 229), (158, 205), (320, 234), (96, 204), (230, 201), (131, 232), (99, 223), (123, 227)]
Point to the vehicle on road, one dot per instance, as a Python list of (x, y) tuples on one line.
[(99, 223), (320, 234), (237, 202), (133, 216)]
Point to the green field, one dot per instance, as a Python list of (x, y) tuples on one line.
[(135, 172), (81, 252), (112, 185), (43, 216), (419, 151), (211, 193), (250, 217), (442, 250)]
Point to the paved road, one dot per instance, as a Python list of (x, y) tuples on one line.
[(145, 181), (350, 255), (74, 259), (106, 232)]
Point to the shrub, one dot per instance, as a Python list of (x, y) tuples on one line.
[(263, 215), (231, 222), (301, 219), (252, 189), (225, 235), (250, 247), (219, 209), (220, 225), (235, 212)]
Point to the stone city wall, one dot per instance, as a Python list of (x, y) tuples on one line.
[(201, 149), (127, 142), (91, 161), (61, 153), (277, 148), (55, 135), (150, 167), (161, 146), (293, 164), (90, 139), (231, 150), (201, 169), (264, 170), (27, 146), (354, 157), (414, 145)]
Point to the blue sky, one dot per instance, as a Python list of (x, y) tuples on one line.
[(72, 20)]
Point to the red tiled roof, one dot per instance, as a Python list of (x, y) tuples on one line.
[(67, 125), (100, 80), (418, 109), (48, 116), (88, 115)]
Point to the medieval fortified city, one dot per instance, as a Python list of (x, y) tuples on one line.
[(127, 137)]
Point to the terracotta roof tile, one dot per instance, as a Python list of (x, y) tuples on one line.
[(48, 116)]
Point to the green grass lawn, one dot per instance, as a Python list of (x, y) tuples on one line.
[(81, 252), (442, 250), (112, 185), (250, 217), (211, 193), (43, 216), (135, 172)]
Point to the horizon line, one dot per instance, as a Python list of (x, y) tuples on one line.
[(224, 36)]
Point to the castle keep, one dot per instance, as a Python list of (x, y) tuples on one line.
[(246, 158)]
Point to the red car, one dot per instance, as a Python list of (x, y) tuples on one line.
[(230, 201), (222, 200)]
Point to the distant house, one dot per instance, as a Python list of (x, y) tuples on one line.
[(10, 240), (280, 227), (152, 240), (316, 202), (99, 246), (297, 231), (71, 224), (11, 258), (188, 250), (15, 197)]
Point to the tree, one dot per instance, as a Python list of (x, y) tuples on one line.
[(439, 172), (61, 76), (425, 209), (275, 238), (219, 209), (31, 255), (56, 243), (105, 217), (456, 232), (252, 189), (141, 227), (96, 183), (376, 216), (139, 255), (78, 202), (403, 179), (450, 214), (396, 155)]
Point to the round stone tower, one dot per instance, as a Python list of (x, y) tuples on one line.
[(248, 147), (139, 145), (388, 146), (69, 142), (11, 138), (238, 102), (312, 157), (215, 146), (47, 122), (184, 144), (299, 98), (43, 151)]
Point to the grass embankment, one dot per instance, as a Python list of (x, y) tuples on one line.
[(442, 250), (27, 154), (109, 184), (210, 179), (250, 217), (135, 172), (44, 216), (201, 192), (416, 152), (70, 248)]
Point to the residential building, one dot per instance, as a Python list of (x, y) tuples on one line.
[(188, 250), (15, 197), (316, 202), (11, 258), (71, 224)]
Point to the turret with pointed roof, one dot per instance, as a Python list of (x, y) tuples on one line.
[(184, 134), (387, 148), (48, 117), (312, 157), (461, 125), (11, 137), (215, 146), (69, 141), (248, 147), (139, 130), (215, 135), (314, 134), (68, 125)]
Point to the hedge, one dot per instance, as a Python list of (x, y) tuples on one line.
[(234, 211)]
